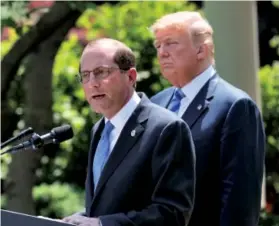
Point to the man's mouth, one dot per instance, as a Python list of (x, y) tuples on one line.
[(166, 64), (98, 96)]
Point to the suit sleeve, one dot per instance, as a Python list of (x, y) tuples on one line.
[(173, 172), (242, 164)]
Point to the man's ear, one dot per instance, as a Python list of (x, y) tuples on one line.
[(202, 52), (132, 75)]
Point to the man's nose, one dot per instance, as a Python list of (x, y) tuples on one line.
[(93, 82), (162, 52)]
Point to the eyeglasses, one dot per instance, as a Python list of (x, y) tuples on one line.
[(98, 73)]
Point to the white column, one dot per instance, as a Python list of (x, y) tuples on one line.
[(235, 26)]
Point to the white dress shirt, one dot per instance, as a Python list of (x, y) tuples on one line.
[(120, 119), (192, 89)]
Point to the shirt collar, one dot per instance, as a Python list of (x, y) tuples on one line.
[(121, 117), (191, 89)]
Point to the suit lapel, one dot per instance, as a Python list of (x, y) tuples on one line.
[(201, 102), (127, 139), (166, 101)]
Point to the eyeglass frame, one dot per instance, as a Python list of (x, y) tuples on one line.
[(109, 69)]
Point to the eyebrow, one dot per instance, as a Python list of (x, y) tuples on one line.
[(164, 40), (93, 69), (79, 69)]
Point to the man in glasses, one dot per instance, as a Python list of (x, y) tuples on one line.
[(141, 158)]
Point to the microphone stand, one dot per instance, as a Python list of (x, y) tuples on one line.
[(36, 142), (18, 137)]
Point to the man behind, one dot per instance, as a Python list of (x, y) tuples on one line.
[(226, 124), (141, 159)]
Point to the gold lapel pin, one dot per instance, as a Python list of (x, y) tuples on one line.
[(133, 133)]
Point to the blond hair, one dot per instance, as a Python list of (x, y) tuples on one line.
[(199, 28)]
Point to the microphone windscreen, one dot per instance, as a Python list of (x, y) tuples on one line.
[(63, 133)]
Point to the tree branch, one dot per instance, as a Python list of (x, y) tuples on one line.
[(38, 105), (58, 14)]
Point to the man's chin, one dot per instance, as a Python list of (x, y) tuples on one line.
[(97, 109), (100, 109), (169, 75)]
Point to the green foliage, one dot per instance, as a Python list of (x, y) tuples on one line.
[(12, 12), (269, 76), (60, 179), (69, 101), (6, 45), (269, 220), (276, 3), (58, 200), (17, 15), (127, 24), (130, 25), (274, 42), (81, 6)]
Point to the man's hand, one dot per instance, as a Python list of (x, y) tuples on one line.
[(83, 221)]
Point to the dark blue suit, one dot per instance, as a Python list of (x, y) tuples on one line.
[(229, 139), (149, 178)]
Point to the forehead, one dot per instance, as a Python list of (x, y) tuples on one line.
[(93, 57), (170, 33)]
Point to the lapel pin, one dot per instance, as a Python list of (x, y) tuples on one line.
[(133, 133), (199, 107)]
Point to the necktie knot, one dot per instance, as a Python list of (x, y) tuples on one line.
[(108, 128), (179, 94), (175, 102)]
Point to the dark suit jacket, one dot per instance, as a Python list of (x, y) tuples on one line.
[(229, 140), (149, 178)]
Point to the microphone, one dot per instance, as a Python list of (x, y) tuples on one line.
[(18, 137), (56, 135)]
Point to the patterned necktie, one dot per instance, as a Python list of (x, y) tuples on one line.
[(102, 153), (176, 99)]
